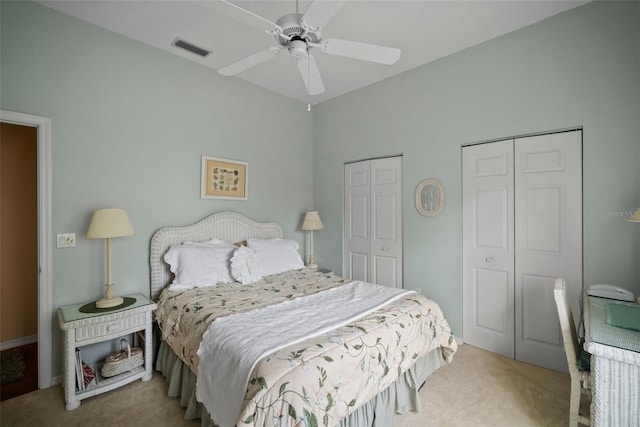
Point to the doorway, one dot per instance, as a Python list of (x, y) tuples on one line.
[(373, 221), (18, 259), (522, 228), (43, 270)]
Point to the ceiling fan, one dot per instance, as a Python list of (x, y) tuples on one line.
[(298, 33)]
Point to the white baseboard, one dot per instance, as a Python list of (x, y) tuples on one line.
[(459, 340), (6, 345), (57, 380)]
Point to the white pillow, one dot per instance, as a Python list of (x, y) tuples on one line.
[(245, 266), (211, 242), (276, 255), (199, 265)]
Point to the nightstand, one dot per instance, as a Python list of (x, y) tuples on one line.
[(81, 329)]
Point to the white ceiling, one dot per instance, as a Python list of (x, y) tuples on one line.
[(424, 30)]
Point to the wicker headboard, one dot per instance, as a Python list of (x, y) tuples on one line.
[(231, 227)]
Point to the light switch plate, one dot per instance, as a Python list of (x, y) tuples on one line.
[(66, 240)]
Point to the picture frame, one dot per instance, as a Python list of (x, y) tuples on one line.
[(429, 197), (224, 179)]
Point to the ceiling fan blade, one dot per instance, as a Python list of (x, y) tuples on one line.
[(249, 61), (311, 75), (320, 12), (250, 18), (363, 51)]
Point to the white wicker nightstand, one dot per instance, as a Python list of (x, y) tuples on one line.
[(81, 329)]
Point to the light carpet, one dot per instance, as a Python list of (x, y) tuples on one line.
[(478, 389)]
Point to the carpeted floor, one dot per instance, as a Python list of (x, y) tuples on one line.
[(478, 389)]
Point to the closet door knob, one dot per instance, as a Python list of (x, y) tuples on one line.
[(384, 249), (488, 259)]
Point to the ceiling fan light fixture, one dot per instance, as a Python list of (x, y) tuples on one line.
[(298, 49)]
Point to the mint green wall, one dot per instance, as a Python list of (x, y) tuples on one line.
[(130, 123), (580, 68)]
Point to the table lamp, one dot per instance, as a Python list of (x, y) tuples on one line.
[(635, 217), (310, 223), (106, 224)]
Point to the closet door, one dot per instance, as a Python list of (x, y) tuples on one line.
[(488, 240), (373, 221), (522, 228), (386, 221), (548, 220), (357, 221)]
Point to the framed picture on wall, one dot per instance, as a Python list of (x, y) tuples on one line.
[(223, 179)]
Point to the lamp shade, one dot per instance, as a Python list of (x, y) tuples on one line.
[(107, 223), (635, 217), (312, 221)]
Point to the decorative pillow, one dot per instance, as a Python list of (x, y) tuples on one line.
[(211, 242), (276, 255), (200, 264), (245, 266)]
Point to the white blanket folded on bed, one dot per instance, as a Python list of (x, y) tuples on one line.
[(233, 345)]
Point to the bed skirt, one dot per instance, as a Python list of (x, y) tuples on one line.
[(401, 397)]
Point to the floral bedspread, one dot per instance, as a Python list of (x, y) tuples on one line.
[(323, 379)]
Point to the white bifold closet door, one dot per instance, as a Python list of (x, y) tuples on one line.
[(373, 221), (522, 228)]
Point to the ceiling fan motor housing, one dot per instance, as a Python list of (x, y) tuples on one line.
[(291, 28)]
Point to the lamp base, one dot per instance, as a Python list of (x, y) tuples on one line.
[(109, 302), (312, 262)]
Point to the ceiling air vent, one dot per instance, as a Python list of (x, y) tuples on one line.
[(191, 48)]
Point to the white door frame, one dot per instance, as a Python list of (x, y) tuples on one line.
[(45, 276)]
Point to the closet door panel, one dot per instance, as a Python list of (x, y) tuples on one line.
[(491, 219), (359, 266), (385, 270), (357, 221), (492, 288), (386, 231), (548, 219), (543, 215), (537, 292), (385, 216), (488, 295), (359, 218)]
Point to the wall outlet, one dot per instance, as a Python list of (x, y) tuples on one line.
[(66, 240)]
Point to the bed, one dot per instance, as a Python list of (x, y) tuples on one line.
[(354, 366)]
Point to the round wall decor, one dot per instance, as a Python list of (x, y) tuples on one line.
[(429, 197)]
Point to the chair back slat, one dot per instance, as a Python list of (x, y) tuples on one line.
[(567, 325)]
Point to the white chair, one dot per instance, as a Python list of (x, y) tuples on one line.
[(580, 380)]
